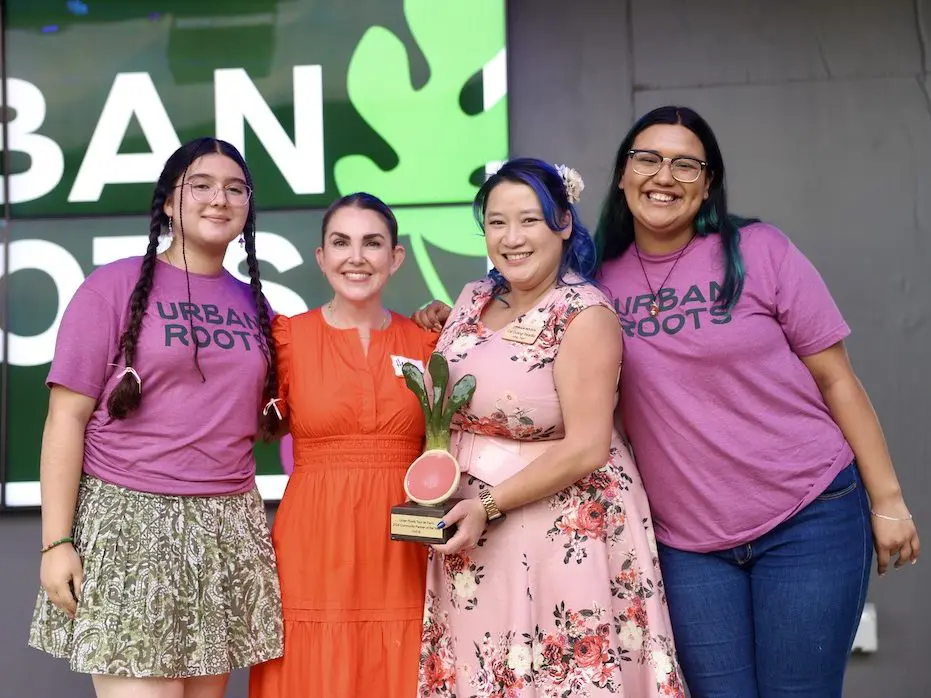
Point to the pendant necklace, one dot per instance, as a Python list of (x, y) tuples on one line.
[(654, 306)]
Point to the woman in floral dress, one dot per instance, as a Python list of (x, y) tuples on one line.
[(550, 585)]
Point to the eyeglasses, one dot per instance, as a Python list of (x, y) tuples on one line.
[(649, 163), (206, 192)]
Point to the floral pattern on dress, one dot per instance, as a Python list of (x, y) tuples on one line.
[(508, 419), (633, 629), (554, 319), (630, 582), (591, 509), (463, 577), (502, 668), (472, 332), (665, 668), (562, 597), (577, 654), (437, 659)]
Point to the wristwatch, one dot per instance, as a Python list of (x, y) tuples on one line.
[(492, 511)]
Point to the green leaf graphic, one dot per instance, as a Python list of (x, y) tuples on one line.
[(438, 145), (449, 228)]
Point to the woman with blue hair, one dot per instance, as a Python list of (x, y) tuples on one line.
[(769, 478), (551, 583)]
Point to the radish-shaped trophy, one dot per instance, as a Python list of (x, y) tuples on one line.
[(433, 478)]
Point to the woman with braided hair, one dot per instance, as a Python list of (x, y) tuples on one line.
[(158, 575)]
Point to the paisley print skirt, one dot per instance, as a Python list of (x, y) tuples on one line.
[(174, 587)]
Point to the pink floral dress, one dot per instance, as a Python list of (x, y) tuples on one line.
[(564, 596)]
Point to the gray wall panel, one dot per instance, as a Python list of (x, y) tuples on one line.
[(570, 87), (681, 43)]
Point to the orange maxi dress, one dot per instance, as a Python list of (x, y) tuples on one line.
[(352, 598)]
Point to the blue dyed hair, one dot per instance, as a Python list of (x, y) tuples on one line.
[(579, 254), (615, 231)]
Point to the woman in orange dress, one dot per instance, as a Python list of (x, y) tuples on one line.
[(352, 598)]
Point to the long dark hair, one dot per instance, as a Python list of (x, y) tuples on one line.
[(126, 395), (615, 232), (579, 253)]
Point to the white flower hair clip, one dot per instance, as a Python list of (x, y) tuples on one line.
[(573, 181)]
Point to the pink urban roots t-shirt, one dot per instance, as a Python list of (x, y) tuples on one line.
[(188, 436), (730, 430)]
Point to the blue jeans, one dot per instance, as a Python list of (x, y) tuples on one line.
[(775, 617)]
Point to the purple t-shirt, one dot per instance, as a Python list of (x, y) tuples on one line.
[(730, 431), (188, 437)]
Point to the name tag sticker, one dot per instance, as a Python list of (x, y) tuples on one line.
[(523, 332), (398, 361)]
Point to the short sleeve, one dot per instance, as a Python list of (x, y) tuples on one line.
[(465, 295), (87, 341), (472, 292), (462, 310), (580, 297), (805, 309), (281, 334)]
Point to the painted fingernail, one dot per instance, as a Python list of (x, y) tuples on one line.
[(441, 524)]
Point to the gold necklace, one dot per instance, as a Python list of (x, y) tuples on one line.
[(384, 322), (654, 306)]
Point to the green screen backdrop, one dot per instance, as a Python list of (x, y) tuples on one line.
[(403, 99)]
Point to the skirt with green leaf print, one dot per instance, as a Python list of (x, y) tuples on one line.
[(174, 587)]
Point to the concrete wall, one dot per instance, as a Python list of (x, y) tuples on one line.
[(823, 111), (824, 115)]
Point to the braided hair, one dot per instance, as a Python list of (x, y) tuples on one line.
[(127, 395)]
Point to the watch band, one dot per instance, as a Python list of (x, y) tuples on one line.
[(491, 507)]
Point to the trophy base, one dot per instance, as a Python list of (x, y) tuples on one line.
[(416, 523)]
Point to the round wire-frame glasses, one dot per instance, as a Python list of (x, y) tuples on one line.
[(206, 192), (683, 168)]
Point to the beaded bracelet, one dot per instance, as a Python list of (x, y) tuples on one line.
[(891, 518), (55, 544)]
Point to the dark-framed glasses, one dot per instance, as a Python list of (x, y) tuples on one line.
[(206, 192), (683, 169)]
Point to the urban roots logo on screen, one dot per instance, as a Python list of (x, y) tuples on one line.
[(134, 96), (438, 146), (406, 101)]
